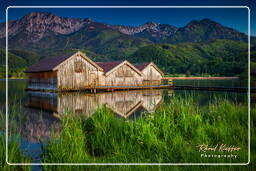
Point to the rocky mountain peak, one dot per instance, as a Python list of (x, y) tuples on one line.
[(150, 24), (37, 24), (33, 15), (131, 30), (205, 30), (204, 22)]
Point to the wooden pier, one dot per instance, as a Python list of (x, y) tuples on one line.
[(107, 88), (120, 88), (200, 78), (204, 88)]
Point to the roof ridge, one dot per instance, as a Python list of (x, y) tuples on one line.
[(141, 66), (107, 66), (109, 61)]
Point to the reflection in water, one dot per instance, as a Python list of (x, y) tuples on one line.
[(123, 103), (46, 109), (40, 125)]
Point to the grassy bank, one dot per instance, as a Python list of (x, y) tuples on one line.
[(170, 135)]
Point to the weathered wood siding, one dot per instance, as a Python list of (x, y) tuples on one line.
[(43, 80), (151, 76), (124, 75), (151, 73), (77, 73)]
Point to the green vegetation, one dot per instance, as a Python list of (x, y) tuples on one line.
[(253, 71), (217, 58), (18, 58), (92, 55), (2, 71), (170, 135), (18, 61)]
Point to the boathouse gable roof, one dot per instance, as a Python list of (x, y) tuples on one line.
[(48, 63), (110, 67), (84, 57), (142, 66), (52, 63), (107, 66)]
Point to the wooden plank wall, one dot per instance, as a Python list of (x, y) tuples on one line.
[(150, 73), (43, 80), (122, 76), (70, 79)]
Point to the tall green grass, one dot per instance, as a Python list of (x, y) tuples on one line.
[(15, 155), (170, 135), (16, 117)]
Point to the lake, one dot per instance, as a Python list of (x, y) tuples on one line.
[(41, 113)]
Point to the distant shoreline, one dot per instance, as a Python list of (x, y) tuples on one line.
[(201, 78), (13, 79)]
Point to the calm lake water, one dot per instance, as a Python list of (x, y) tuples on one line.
[(42, 112)]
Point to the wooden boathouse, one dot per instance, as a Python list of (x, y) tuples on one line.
[(152, 75), (76, 71), (121, 73)]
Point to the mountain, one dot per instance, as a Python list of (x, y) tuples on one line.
[(194, 31), (205, 30), (37, 26), (153, 31)]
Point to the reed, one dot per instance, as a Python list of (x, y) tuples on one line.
[(169, 135), (14, 154)]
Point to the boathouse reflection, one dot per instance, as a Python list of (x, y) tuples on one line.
[(123, 103)]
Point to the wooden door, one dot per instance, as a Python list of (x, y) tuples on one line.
[(94, 79)]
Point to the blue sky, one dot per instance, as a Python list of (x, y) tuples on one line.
[(236, 18)]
